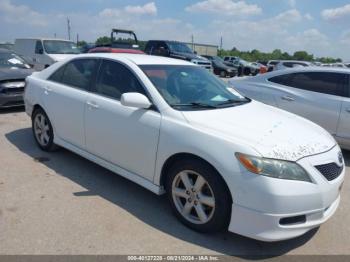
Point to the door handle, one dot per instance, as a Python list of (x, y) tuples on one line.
[(288, 98), (92, 105)]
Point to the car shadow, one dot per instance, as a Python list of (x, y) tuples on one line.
[(143, 204), (10, 110)]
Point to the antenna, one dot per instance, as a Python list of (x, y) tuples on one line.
[(68, 28)]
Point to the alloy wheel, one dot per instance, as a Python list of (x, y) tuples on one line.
[(42, 129), (193, 197)]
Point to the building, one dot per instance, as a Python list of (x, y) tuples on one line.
[(204, 49)]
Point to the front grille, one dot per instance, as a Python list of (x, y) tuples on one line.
[(13, 90), (330, 171)]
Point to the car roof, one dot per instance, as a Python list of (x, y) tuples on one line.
[(44, 38), (4, 50), (139, 59), (300, 70), (115, 50)]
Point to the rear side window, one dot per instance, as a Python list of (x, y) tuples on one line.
[(79, 73), (321, 82), (115, 79), (281, 79), (57, 75)]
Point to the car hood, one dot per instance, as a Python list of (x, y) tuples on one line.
[(14, 73), (270, 131), (189, 56), (60, 57)]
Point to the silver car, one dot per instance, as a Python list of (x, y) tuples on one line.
[(319, 94)]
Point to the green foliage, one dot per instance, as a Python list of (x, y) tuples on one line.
[(103, 40), (277, 54), (81, 43)]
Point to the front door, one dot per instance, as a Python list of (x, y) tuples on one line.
[(125, 136)]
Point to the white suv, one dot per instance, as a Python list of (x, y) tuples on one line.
[(225, 161)]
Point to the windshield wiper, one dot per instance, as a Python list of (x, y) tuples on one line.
[(232, 102), (194, 104)]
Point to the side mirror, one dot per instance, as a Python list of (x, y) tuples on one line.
[(135, 100), (40, 51)]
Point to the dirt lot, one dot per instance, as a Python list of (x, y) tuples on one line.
[(60, 203)]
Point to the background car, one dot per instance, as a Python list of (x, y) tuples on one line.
[(285, 64), (319, 94), (13, 71), (220, 68), (176, 50), (44, 52)]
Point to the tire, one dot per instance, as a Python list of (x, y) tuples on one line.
[(214, 197), (42, 131), (223, 74)]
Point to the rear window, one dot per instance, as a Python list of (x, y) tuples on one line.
[(322, 82)]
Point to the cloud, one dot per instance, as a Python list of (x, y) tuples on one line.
[(345, 37), (147, 9), (309, 40), (292, 3), (308, 17), (20, 14), (287, 17), (336, 13), (224, 7)]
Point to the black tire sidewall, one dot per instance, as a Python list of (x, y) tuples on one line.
[(223, 203)]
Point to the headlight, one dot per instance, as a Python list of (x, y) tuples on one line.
[(273, 168), (14, 84)]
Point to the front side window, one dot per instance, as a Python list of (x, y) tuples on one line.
[(79, 73), (39, 47), (60, 47), (115, 79), (191, 87)]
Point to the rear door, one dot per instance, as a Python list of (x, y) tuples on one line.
[(66, 93), (316, 96)]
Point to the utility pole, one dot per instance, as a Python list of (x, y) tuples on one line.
[(192, 41), (77, 38), (220, 45), (68, 28)]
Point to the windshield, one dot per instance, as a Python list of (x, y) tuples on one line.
[(10, 60), (60, 47), (191, 87), (179, 47)]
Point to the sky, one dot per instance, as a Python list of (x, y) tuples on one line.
[(320, 27)]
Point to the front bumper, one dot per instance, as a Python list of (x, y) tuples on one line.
[(11, 100), (257, 209)]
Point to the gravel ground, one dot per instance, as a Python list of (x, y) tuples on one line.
[(60, 203)]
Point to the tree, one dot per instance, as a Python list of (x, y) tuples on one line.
[(303, 56), (103, 40), (81, 43)]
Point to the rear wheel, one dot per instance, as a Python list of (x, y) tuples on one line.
[(42, 130), (198, 196)]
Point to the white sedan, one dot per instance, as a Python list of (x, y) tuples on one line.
[(319, 94), (225, 161)]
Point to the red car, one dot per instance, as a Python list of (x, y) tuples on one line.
[(115, 50)]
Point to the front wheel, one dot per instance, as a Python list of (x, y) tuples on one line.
[(42, 130), (223, 74), (199, 196)]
